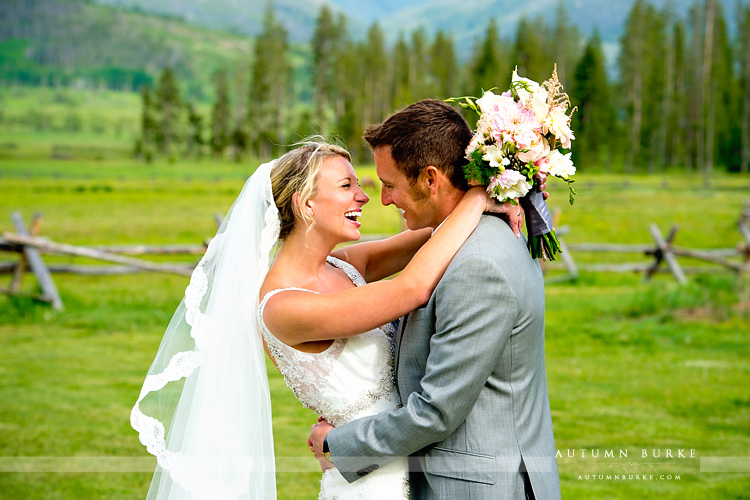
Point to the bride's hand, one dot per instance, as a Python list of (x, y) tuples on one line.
[(513, 212), (325, 464)]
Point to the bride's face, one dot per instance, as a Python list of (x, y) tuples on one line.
[(339, 200)]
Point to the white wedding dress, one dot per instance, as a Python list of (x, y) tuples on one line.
[(353, 378)]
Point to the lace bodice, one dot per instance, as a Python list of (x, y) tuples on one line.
[(347, 378)]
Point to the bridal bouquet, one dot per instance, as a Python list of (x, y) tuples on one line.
[(522, 137)]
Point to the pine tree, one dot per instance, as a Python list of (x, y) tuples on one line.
[(375, 82), (486, 70), (351, 121), (418, 65), (339, 77), (149, 125), (269, 89), (633, 77), (220, 116), (594, 122), (652, 67), (678, 139), (195, 132), (169, 107), (744, 56), (443, 66), (400, 92), (528, 51), (708, 83), (324, 43)]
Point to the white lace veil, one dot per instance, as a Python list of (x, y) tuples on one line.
[(205, 408)]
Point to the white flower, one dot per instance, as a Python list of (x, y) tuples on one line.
[(560, 165), (536, 93), (495, 156), (476, 143), (508, 185), (536, 151), (558, 123), (490, 102)]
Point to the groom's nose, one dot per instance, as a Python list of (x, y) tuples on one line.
[(385, 196)]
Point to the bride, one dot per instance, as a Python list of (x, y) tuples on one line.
[(204, 410)]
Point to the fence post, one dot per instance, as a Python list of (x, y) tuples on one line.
[(663, 252), (35, 262)]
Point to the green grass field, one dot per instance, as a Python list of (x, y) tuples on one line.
[(631, 365)]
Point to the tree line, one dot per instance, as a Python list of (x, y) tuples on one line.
[(681, 99)]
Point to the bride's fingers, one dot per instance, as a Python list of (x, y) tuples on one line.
[(514, 212)]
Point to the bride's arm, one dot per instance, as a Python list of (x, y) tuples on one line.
[(296, 317), (379, 259), (376, 260)]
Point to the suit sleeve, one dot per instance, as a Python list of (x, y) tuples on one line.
[(475, 314)]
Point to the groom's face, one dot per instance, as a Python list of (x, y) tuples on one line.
[(413, 200)]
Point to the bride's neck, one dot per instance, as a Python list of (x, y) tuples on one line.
[(304, 256)]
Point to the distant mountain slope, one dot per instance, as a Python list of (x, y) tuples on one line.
[(466, 19), (239, 16), (78, 41)]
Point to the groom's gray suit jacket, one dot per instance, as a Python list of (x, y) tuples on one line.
[(470, 372)]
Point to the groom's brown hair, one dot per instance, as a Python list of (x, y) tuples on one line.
[(428, 132)]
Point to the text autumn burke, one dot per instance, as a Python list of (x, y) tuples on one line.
[(642, 453)]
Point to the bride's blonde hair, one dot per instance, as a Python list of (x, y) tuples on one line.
[(297, 172)]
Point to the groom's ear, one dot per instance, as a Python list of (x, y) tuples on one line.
[(432, 177)]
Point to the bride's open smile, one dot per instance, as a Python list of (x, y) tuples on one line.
[(337, 205)]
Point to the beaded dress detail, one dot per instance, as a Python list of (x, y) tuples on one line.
[(353, 378)]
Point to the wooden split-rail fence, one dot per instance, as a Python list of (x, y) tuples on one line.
[(27, 243)]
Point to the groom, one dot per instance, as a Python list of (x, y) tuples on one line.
[(470, 363)]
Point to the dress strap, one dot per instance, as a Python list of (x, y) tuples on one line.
[(270, 294), (348, 269)]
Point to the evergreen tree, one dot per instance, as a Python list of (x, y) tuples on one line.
[(220, 116), (633, 76), (564, 44), (149, 126), (653, 66), (486, 70), (375, 81), (324, 44), (350, 125), (726, 100), (744, 63), (443, 66), (418, 65), (400, 92), (678, 137), (528, 51), (169, 107), (195, 132), (268, 102), (341, 81), (594, 122)]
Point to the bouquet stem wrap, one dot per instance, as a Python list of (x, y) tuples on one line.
[(543, 242)]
